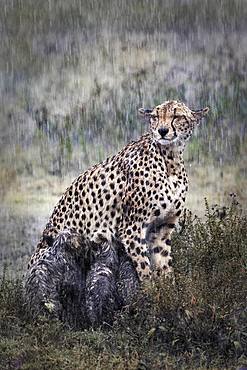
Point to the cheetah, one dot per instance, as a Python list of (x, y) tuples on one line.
[(135, 196), (79, 282)]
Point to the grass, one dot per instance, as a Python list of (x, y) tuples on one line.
[(199, 322)]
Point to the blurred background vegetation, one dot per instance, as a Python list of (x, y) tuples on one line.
[(72, 76)]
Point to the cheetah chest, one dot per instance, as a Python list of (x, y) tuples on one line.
[(171, 190)]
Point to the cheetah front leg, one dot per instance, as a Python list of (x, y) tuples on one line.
[(138, 250), (150, 246), (158, 236)]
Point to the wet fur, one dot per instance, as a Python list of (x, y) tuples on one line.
[(80, 282)]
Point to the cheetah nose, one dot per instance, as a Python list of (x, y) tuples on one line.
[(163, 132)]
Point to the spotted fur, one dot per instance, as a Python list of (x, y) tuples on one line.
[(135, 196)]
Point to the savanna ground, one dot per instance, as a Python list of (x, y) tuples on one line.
[(72, 76)]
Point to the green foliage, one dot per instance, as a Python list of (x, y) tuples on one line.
[(197, 320)]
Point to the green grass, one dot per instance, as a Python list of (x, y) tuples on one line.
[(198, 322)]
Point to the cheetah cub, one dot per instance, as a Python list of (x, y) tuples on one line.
[(135, 196)]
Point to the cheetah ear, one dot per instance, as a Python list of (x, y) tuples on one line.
[(198, 114), (145, 112)]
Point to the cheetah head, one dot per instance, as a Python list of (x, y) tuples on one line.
[(172, 121)]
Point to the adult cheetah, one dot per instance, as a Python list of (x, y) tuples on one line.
[(135, 196)]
